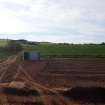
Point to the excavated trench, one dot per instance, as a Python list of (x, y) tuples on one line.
[(86, 94), (21, 92)]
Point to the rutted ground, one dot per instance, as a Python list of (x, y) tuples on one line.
[(18, 87), (72, 72), (52, 82)]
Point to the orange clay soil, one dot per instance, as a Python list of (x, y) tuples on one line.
[(47, 82)]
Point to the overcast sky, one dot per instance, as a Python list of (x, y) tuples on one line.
[(77, 21)]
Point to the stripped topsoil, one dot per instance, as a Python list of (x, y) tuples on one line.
[(72, 81)]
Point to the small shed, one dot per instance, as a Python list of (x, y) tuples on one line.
[(32, 56)]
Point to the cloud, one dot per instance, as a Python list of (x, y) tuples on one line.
[(62, 20)]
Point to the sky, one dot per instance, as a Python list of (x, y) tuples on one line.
[(71, 21)]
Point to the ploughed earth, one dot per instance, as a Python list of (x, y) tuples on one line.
[(72, 81)]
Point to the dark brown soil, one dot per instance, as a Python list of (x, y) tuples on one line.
[(68, 72)]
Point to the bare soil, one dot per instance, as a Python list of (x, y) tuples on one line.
[(59, 73), (57, 81)]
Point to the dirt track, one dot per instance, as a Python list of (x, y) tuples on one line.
[(17, 87)]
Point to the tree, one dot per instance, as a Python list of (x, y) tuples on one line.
[(103, 43)]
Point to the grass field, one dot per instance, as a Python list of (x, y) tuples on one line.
[(3, 42), (62, 50)]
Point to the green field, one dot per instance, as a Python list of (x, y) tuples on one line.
[(49, 50), (60, 50), (3, 54), (3, 42)]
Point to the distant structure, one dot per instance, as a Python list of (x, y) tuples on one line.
[(32, 56)]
